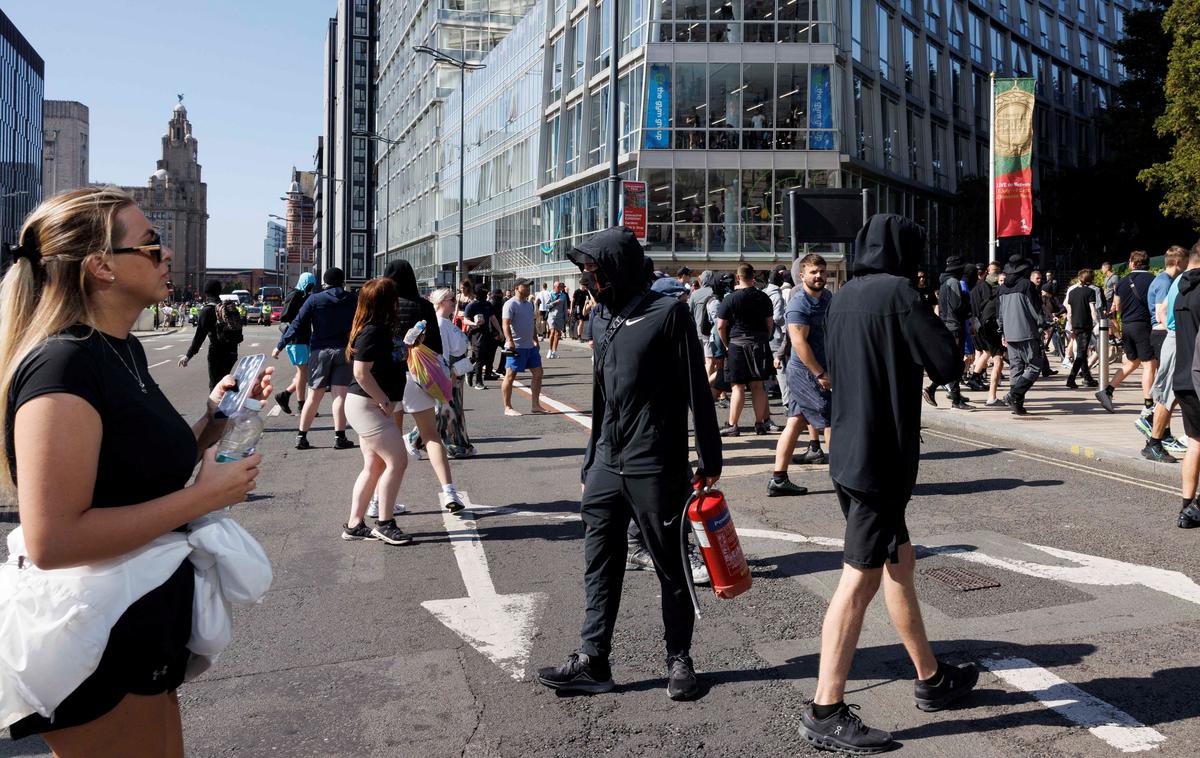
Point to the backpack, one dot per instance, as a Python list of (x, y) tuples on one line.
[(706, 324), (229, 323)]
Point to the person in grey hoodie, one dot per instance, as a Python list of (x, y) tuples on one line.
[(1020, 318)]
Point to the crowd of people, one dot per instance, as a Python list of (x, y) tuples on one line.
[(82, 407)]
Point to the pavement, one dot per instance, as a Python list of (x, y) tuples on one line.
[(1085, 632), (1065, 423)]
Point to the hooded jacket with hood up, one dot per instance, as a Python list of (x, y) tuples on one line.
[(953, 306), (698, 302), (1020, 310), (329, 314), (880, 340), (649, 375), (1187, 326), (292, 304), (412, 307)]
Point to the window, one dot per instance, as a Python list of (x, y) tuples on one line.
[(724, 105), (997, 51), (935, 78), (579, 64), (690, 24), (1044, 28), (914, 144), (551, 155), (574, 125), (1081, 13), (1102, 11), (957, 29), (1020, 58), (1058, 83), (887, 122), (1064, 40), (690, 104), (976, 38), (857, 29), (758, 101), (632, 19), (933, 15), (601, 37), (883, 24), (556, 76), (908, 37), (598, 131), (1085, 52), (937, 136), (860, 124), (1105, 56), (981, 94), (1025, 11)]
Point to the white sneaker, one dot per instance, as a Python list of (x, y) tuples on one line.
[(450, 501), (373, 508)]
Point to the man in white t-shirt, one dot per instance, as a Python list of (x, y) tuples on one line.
[(543, 308)]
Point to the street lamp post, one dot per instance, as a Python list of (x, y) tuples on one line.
[(614, 121), (463, 66), (387, 200)]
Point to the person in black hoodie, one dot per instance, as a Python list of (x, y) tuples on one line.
[(880, 341), (222, 339), (326, 316), (636, 464), (954, 308), (1186, 383), (1021, 321)]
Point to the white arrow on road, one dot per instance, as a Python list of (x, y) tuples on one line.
[(499, 626)]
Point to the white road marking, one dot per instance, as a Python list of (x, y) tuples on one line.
[(164, 347), (500, 627), (275, 411), (160, 363), (566, 410), (1114, 726), (254, 344), (1072, 465)]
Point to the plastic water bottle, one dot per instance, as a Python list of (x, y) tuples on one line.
[(242, 433), (414, 334)]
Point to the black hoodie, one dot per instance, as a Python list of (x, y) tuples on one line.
[(881, 339), (412, 307), (1187, 325), (649, 375)]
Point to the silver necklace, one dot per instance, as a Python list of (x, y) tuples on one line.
[(132, 371)]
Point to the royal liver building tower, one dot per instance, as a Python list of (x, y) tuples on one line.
[(176, 202)]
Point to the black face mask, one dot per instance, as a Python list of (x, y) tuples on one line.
[(601, 288)]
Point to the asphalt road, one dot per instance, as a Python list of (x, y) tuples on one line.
[(1086, 641)]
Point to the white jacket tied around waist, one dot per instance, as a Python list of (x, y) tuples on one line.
[(54, 625)]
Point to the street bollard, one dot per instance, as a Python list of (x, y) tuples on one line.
[(1103, 353)]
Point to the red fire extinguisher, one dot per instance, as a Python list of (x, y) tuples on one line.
[(712, 524)]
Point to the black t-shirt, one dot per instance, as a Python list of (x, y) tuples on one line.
[(479, 308), (375, 345), (747, 311), (579, 299), (1134, 291), (1081, 299), (147, 450)]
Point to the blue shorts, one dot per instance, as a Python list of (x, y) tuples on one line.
[(297, 354), (526, 358)]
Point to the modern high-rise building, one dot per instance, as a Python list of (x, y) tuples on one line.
[(65, 146), (412, 100), (348, 151), (175, 199), (724, 106), (275, 247), (22, 70)]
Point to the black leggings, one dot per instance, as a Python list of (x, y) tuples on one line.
[(610, 500), (220, 364), (1083, 340)]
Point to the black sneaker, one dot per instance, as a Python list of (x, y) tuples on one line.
[(681, 678), (1017, 408), (1189, 518), (341, 443), (1152, 452), (581, 673), (302, 442), (927, 396), (730, 431), (811, 457), (360, 532), (282, 399), (784, 488), (387, 531), (1091, 383), (844, 732), (961, 405), (1105, 398), (952, 683), (1071, 385)]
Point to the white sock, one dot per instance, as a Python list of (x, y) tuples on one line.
[(449, 489)]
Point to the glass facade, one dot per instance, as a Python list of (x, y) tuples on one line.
[(21, 89)]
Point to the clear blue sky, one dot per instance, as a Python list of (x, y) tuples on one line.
[(251, 75)]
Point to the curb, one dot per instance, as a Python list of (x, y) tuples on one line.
[(1122, 462)]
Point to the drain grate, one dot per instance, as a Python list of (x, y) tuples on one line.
[(960, 579)]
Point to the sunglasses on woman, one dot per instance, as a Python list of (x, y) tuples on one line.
[(152, 249)]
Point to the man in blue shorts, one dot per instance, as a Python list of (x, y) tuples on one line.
[(521, 347), (808, 385)]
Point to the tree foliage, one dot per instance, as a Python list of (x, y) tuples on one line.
[(1178, 176)]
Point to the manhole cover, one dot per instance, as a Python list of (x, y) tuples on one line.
[(960, 579)]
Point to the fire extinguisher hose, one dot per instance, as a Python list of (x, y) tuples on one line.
[(684, 523)]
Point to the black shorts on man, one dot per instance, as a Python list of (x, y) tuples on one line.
[(1135, 338), (875, 527), (327, 368), (748, 362)]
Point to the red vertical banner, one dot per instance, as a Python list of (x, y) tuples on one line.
[(1012, 159), (633, 205)]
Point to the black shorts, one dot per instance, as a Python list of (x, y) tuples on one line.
[(327, 368), (875, 527), (987, 338), (146, 654), (748, 363), (1189, 408), (1157, 338), (1135, 337)]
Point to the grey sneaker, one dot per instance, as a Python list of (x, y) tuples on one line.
[(1174, 445), (812, 457), (699, 570), (1105, 398), (638, 559), (785, 488)]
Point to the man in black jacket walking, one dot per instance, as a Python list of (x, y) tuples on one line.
[(223, 338), (954, 308), (1186, 380), (636, 464), (880, 341)]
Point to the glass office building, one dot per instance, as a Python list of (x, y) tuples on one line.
[(724, 105), (21, 71)]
